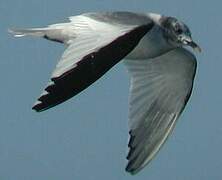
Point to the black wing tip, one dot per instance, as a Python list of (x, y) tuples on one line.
[(41, 103), (38, 107), (129, 168), (131, 139)]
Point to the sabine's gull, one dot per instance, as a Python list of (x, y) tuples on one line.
[(160, 65)]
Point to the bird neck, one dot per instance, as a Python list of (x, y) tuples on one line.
[(156, 18)]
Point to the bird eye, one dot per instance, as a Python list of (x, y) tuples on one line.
[(178, 29)]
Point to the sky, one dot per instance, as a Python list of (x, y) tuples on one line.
[(86, 137)]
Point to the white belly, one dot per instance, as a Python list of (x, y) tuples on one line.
[(151, 45)]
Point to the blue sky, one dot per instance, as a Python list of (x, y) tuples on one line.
[(86, 137)]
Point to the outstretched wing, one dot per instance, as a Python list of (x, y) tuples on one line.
[(95, 48), (160, 89)]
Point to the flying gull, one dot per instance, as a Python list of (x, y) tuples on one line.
[(160, 65)]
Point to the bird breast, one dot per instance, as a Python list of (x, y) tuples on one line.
[(153, 44)]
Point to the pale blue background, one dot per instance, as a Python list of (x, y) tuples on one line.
[(86, 137)]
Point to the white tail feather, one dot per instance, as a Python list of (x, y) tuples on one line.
[(49, 33), (38, 32)]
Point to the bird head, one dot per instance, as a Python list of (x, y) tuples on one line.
[(178, 34)]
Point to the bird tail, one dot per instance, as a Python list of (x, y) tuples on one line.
[(38, 32)]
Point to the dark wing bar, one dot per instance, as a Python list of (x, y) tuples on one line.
[(90, 68)]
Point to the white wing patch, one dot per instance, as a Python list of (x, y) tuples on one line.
[(90, 36)]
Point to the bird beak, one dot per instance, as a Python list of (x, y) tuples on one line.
[(195, 46), (189, 42)]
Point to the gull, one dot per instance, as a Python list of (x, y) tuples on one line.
[(155, 51)]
